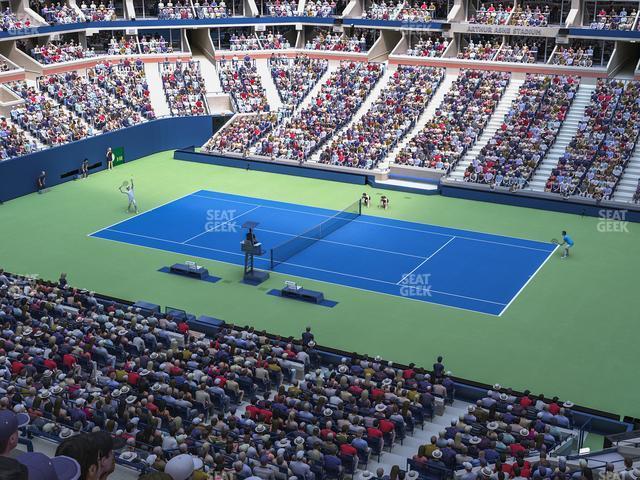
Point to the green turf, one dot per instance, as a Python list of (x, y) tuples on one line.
[(573, 332)]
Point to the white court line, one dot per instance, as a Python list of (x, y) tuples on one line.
[(301, 266), (145, 212), (340, 243), (436, 304), (218, 225), (395, 226), (527, 282), (426, 259)]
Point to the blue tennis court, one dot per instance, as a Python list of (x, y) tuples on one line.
[(457, 268)]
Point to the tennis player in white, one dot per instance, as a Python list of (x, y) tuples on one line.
[(130, 193)]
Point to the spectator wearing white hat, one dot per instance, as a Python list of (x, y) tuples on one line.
[(181, 467)]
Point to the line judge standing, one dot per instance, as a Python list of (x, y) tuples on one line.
[(109, 159)]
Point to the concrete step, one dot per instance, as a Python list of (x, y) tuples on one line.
[(428, 113), (333, 66), (271, 92), (363, 108), (494, 123), (565, 135), (156, 90)]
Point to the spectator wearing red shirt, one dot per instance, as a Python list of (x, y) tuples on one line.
[(526, 401), (346, 449), (16, 367), (554, 408), (133, 378), (183, 327), (69, 360), (386, 426), (516, 448), (50, 364)]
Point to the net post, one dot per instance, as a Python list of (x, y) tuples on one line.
[(271, 257), (360, 206)]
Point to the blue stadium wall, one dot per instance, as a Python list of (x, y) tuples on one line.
[(18, 175)]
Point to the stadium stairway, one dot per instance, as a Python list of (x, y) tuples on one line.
[(332, 67), (409, 447), (566, 133), (364, 108), (428, 113), (208, 69), (495, 121), (262, 65), (156, 90), (629, 181)]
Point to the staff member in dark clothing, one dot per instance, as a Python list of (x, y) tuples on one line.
[(41, 182), (84, 169), (109, 159), (307, 336)]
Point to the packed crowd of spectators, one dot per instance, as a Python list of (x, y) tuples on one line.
[(320, 8), (184, 87), (211, 9), (479, 51), (613, 20), (299, 136), (46, 120), (242, 80), (99, 13), (10, 21), (57, 14), (457, 122), (338, 43), (242, 133), (108, 381), (427, 46), (56, 52), (175, 11), (282, 8), (520, 52), (125, 45), (600, 118), (420, 12), (242, 42), (531, 17), (387, 121), (109, 97), (155, 44), (528, 131), (14, 141), (499, 433), (271, 40), (160, 396), (603, 175), (383, 10), (492, 15), (295, 77), (577, 56)]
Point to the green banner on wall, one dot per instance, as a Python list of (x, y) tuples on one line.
[(118, 155)]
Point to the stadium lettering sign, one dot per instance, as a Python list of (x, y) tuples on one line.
[(506, 30)]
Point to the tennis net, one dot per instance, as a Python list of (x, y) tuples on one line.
[(288, 249)]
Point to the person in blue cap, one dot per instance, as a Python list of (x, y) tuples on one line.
[(41, 467), (10, 422)]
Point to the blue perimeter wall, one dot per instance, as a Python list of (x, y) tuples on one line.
[(18, 175), (559, 205), (266, 166)]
